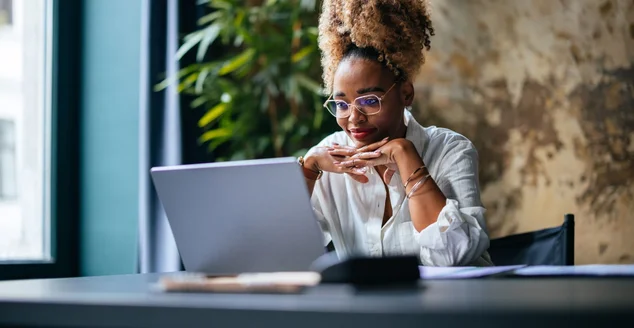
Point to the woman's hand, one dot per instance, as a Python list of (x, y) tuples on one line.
[(366, 156), (322, 158)]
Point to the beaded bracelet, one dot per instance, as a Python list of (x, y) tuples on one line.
[(412, 175), (417, 185)]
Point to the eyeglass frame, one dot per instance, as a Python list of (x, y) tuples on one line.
[(355, 106)]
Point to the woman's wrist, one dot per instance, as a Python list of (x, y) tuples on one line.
[(310, 168), (409, 163), (404, 150), (310, 162)]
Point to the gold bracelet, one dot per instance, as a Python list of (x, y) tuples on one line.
[(412, 175), (417, 185)]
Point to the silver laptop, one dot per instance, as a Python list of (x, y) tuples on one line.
[(241, 216)]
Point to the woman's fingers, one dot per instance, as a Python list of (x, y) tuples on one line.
[(373, 146), (355, 163), (348, 167), (368, 155), (355, 153), (342, 151), (338, 146)]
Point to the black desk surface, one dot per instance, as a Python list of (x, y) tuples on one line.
[(130, 301)]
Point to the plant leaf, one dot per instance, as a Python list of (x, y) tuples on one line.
[(287, 123), (215, 134), (210, 17), (212, 114), (314, 31), (200, 81), (237, 61), (173, 79), (238, 156), (239, 18), (221, 4), (319, 116), (302, 53), (308, 83), (307, 5), (216, 143), (191, 41), (191, 79), (199, 101), (211, 33)]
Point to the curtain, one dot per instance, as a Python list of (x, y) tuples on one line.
[(160, 133), (168, 126)]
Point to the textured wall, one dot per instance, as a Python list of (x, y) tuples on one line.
[(545, 89)]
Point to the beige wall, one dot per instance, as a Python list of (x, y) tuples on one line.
[(545, 89)]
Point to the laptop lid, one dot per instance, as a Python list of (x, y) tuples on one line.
[(240, 216)]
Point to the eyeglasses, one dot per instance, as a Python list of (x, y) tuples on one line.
[(366, 105)]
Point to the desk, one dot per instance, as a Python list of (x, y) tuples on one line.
[(129, 301)]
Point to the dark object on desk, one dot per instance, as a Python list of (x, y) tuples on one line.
[(553, 246), (367, 271)]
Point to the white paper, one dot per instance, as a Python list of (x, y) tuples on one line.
[(435, 272), (578, 270), (464, 272)]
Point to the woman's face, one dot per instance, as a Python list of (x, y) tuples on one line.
[(356, 77)]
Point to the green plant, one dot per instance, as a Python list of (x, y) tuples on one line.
[(260, 96)]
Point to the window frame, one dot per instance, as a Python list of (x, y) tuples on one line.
[(64, 152)]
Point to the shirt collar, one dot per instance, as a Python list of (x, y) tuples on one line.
[(415, 132)]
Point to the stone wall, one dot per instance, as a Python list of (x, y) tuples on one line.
[(545, 90)]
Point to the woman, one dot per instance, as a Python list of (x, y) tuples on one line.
[(385, 185)]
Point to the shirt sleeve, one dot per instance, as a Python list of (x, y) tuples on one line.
[(321, 220), (322, 197), (459, 235)]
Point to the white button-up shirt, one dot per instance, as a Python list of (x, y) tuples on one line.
[(350, 213)]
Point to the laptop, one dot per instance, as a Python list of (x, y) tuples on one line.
[(241, 216)]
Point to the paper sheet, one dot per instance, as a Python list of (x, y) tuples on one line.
[(578, 270), (464, 272)]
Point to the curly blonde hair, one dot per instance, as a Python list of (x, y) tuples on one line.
[(398, 31)]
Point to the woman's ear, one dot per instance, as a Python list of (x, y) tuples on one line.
[(407, 93)]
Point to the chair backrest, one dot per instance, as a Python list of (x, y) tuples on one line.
[(552, 246)]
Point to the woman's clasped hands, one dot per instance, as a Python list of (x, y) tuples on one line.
[(357, 161)]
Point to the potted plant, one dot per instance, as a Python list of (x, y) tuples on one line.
[(259, 91)]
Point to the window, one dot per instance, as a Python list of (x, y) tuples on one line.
[(25, 75), (6, 12), (7, 161)]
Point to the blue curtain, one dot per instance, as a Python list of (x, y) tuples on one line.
[(168, 127), (160, 129)]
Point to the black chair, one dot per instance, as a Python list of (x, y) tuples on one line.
[(552, 246)]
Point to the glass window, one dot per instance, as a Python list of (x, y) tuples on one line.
[(6, 12), (7, 160), (25, 129)]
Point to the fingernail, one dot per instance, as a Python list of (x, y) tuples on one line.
[(336, 163), (378, 151), (336, 144), (386, 138)]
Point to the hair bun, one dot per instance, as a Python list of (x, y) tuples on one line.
[(399, 30)]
